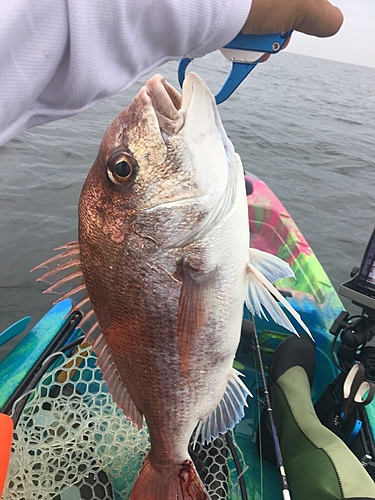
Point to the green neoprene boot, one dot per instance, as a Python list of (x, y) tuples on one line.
[(319, 466)]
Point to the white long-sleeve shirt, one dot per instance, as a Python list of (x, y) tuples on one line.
[(58, 57)]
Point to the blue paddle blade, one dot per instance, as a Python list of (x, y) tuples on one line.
[(14, 330)]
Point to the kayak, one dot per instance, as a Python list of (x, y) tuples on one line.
[(70, 441)]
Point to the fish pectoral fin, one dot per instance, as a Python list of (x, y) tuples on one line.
[(114, 383), (272, 267), (228, 412), (192, 307), (262, 295)]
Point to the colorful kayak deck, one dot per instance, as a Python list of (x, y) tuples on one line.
[(312, 294)]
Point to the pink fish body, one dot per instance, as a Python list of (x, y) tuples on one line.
[(162, 270)]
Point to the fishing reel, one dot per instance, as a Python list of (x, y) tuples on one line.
[(355, 332), (354, 355)]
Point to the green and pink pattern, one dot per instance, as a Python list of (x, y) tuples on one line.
[(273, 230)]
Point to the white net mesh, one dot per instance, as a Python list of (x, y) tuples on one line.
[(70, 432), (73, 443)]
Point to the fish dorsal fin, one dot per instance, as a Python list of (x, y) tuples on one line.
[(263, 269), (192, 308), (114, 383), (65, 277), (228, 412)]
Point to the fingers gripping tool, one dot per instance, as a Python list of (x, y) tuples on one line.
[(245, 52)]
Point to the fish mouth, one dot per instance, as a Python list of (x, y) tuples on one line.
[(166, 102), (207, 154), (172, 108)]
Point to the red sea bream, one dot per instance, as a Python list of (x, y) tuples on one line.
[(161, 270)]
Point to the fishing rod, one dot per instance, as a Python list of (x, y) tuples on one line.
[(268, 407)]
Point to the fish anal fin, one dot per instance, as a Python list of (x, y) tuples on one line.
[(169, 482), (192, 307), (263, 296), (227, 413)]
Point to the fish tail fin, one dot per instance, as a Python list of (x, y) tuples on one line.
[(169, 482), (263, 269)]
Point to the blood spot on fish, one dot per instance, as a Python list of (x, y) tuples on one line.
[(189, 484)]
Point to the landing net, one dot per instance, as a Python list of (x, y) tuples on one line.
[(73, 443)]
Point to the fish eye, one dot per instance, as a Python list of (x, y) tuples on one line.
[(120, 167)]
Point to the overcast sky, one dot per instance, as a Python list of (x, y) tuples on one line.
[(354, 43)]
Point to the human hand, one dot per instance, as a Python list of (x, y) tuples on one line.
[(313, 17)]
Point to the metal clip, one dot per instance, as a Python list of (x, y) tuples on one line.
[(366, 459), (244, 51)]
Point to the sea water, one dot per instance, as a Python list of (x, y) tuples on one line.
[(305, 126)]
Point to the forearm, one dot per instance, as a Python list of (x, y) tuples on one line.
[(58, 58)]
